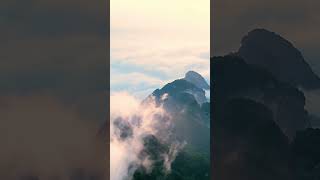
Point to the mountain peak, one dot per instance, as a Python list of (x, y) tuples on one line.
[(274, 53), (196, 79), (266, 35)]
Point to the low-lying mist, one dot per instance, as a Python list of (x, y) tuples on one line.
[(132, 121)]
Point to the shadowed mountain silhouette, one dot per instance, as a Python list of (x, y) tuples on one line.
[(277, 55), (248, 144), (232, 78), (306, 148), (261, 128), (255, 118)]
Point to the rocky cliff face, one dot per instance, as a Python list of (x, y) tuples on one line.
[(234, 78), (277, 55)]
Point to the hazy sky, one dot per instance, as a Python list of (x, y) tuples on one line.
[(297, 21), (154, 42), (53, 66)]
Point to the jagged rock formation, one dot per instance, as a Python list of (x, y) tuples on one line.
[(179, 86), (277, 55)]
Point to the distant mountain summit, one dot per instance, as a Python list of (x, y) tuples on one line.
[(189, 111), (277, 55), (193, 85), (179, 140), (196, 79), (188, 106)]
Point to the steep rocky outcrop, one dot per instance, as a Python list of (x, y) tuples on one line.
[(232, 78), (196, 79), (277, 55)]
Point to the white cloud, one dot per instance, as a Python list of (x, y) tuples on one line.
[(143, 119), (167, 36), (137, 84)]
